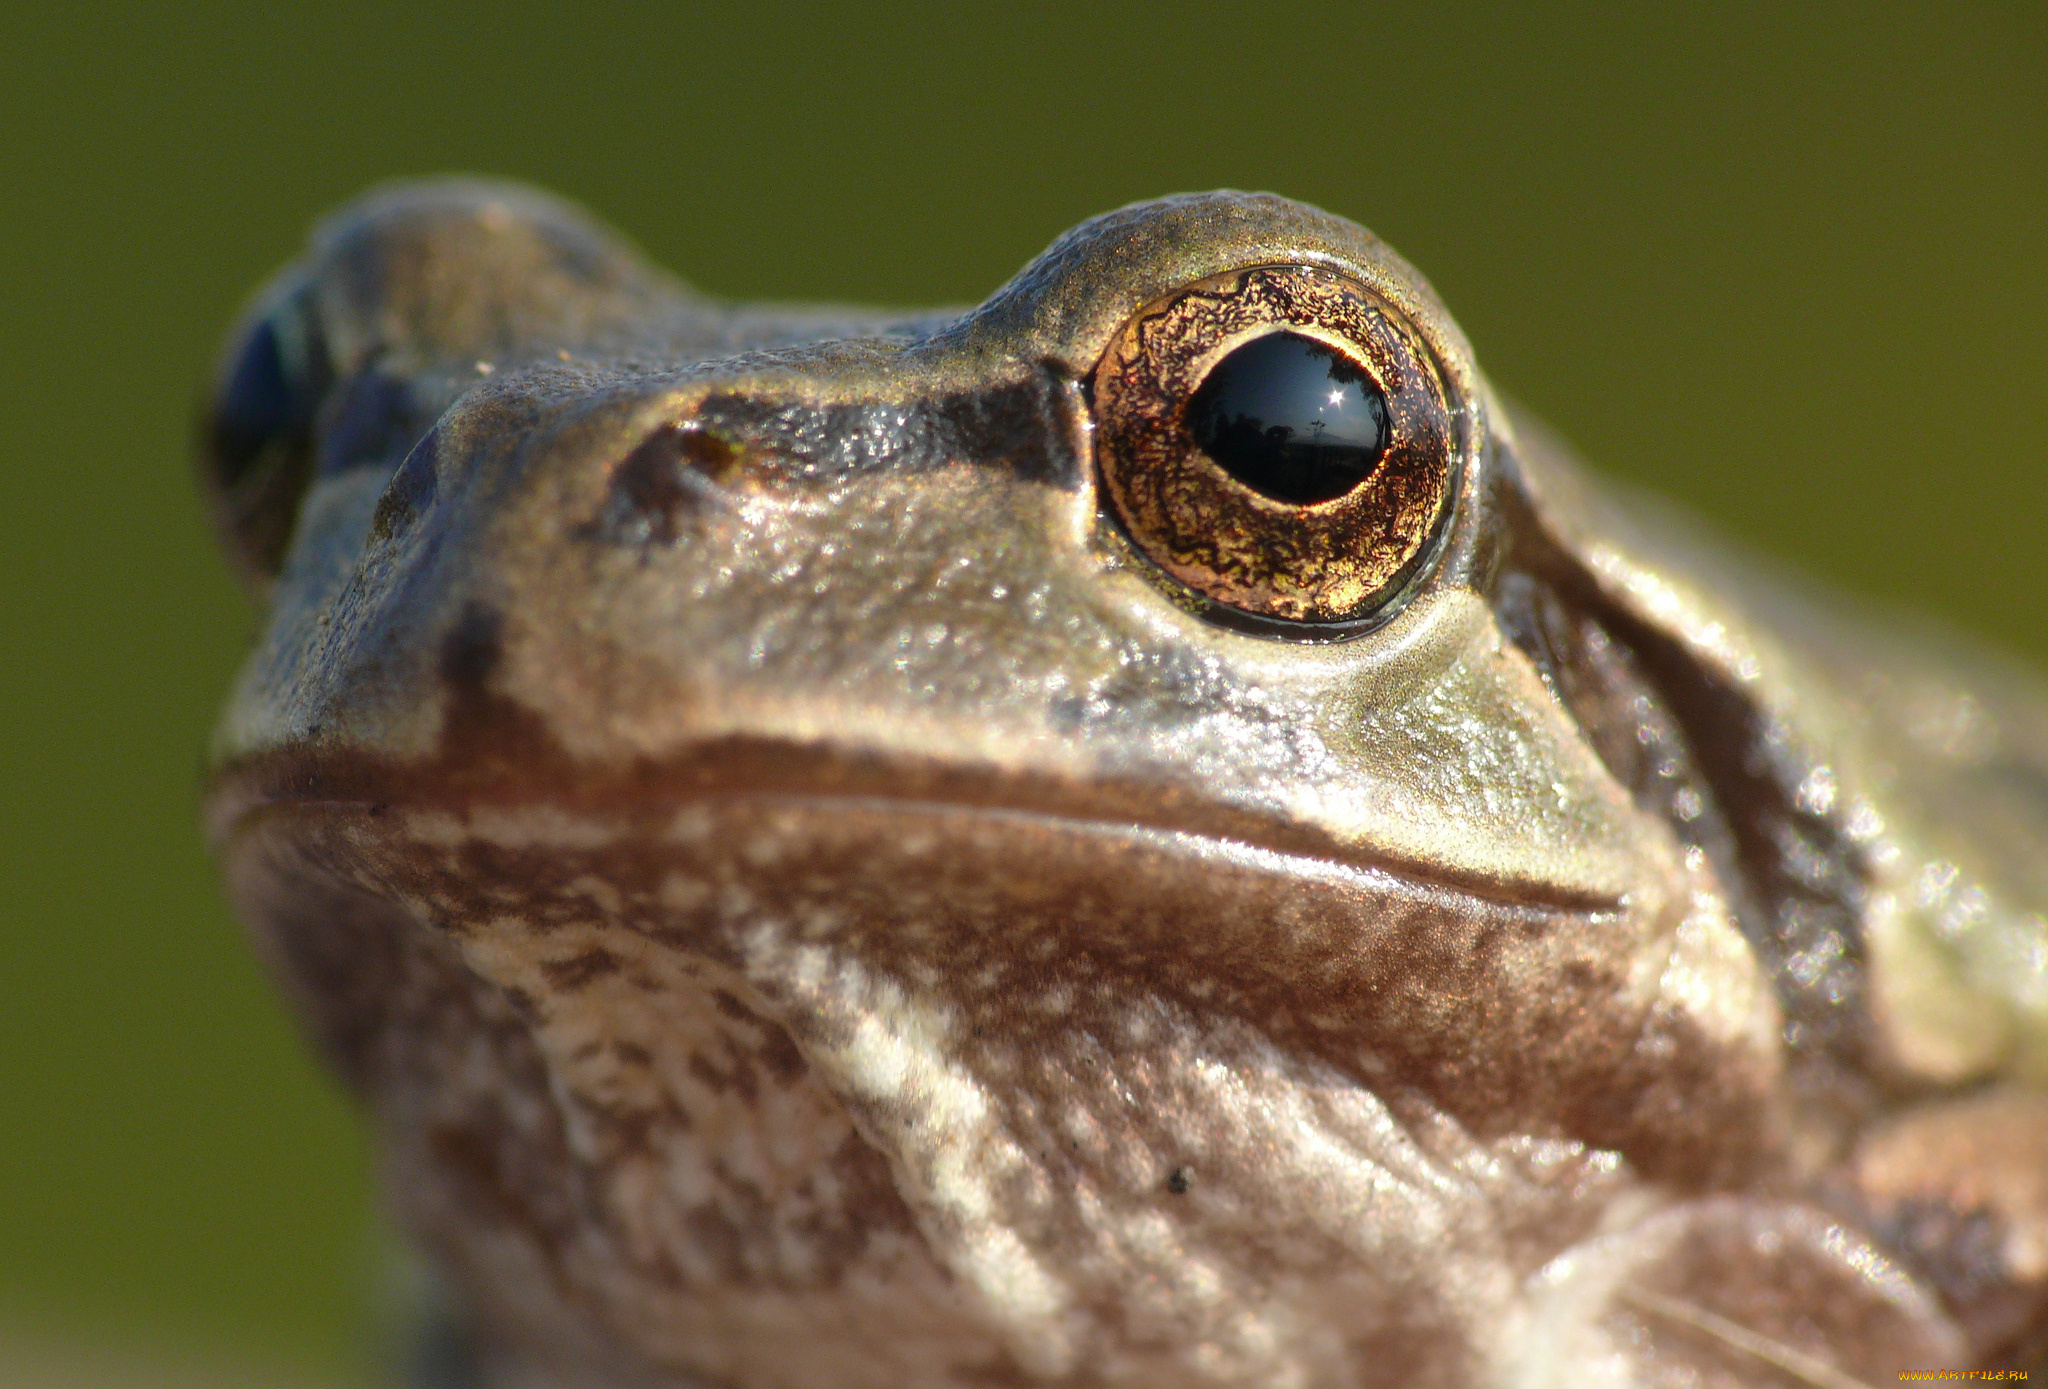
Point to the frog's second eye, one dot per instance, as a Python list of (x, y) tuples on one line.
[(1279, 441), (258, 428)]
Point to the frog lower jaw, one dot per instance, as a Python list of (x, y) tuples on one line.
[(959, 1104), (1513, 1015)]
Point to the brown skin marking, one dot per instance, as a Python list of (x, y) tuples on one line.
[(389, 1008), (472, 650), (489, 1160), (1959, 1187), (573, 974), (791, 446), (650, 502)]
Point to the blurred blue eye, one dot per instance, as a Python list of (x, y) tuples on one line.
[(257, 404), (270, 393), (256, 436)]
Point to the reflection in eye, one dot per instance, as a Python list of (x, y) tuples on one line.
[(1290, 417)]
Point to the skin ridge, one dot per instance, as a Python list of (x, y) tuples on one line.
[(1800, 882)]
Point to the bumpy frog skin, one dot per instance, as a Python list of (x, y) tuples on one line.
[(809, 892)]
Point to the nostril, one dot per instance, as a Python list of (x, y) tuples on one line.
[(411, 489), (662, 480)]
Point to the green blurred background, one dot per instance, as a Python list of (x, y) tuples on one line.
[(1788, 263)]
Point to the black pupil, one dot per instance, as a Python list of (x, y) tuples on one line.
[(1290, 417)]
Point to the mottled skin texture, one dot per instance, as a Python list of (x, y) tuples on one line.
[(803, 902)]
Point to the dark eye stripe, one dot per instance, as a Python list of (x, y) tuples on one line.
[(790, 442)]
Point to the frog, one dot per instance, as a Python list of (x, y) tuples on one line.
[(1156, 830)]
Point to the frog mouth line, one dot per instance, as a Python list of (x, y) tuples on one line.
[(1280, 854), (645, 810)]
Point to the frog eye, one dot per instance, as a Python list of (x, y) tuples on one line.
[(257, 435), (1278, 441)]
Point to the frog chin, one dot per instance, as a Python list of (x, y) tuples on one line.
[(988, 1087)]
